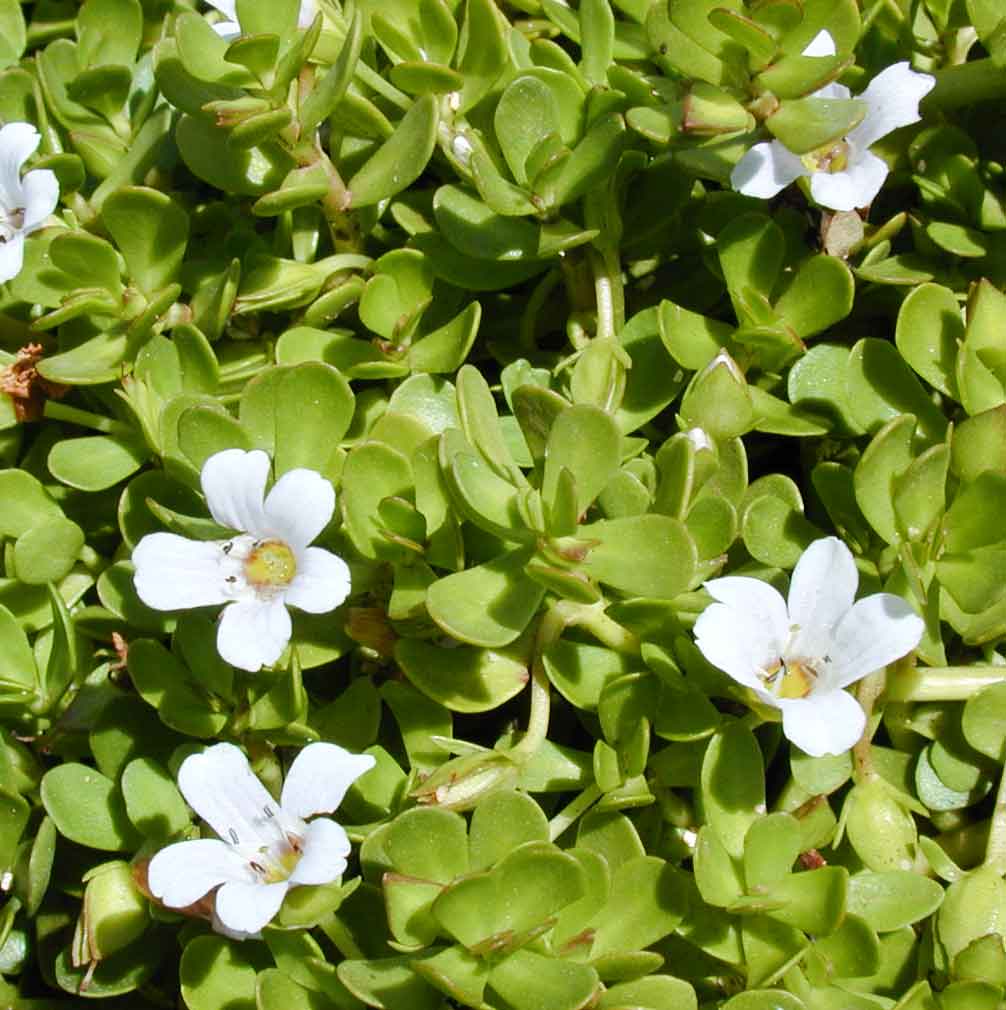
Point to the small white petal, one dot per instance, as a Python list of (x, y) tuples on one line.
[(11, 257), (892, 100), (234, 484), (766, 169), (822, 44), (322, 582), (308, 10), (877, 630), (227, 30), (220, 786), (41, 194), (821, 592), (743, 643), (832, 90), (18, 142), (319, 777), (228, 8), (182, 873), (855, 187), (253, 633), (823, 723), (247, 908), (324, 857), (755, 599), (299, 507), (174, 573)]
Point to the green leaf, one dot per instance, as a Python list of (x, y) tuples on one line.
[(647, 555), (46, 552), (87, 808), (96, 462), (463, 678), (488, 604), (151, 231), (733, 785), (806, 124), (400, 160)]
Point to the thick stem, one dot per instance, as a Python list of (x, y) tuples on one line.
[(995, 848), (868, 691), (609, 632), (942, 683), (573, 811), (341, 938), (85, 418)]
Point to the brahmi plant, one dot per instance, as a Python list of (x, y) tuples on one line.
[(503, 504)]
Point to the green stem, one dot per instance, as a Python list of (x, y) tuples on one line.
[(573, 811), (995, 847), (604, 293), (549, 629), (85, 418), (965, 84), (609, 632), (341, 937), (868, 691), (943, 683)]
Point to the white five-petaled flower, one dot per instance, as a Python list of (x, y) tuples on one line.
[(231, 28), (845, 174), (267, 567), (797, 655), (25, 202), (264, 848)]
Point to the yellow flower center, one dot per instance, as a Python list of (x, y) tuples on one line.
[(276, 862), (831, 158), (270, 565), (791, 680)]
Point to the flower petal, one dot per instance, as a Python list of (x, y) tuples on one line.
[(319, 777), (821, 592), (11, 257), (174, 573), (892, 100), (324, 858), (823, 723), (220, 786), (855, 187), (822, 44), (227, 30), (246, 908), (322, 581), (766, 169), (253, 633), (182, 873), (228, 8), (876, 631), (234, 484), (299, 507), (308, 10), (743, 634), (18, 142), (41, 194)]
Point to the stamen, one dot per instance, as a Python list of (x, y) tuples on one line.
[(269, 812), (233, 836)]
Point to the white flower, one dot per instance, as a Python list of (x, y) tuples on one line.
[(798, 655), (231, 29), (25, 202), (846, 174), (267, 567), (264, 848)]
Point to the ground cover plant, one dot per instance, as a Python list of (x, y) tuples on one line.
[(502, 504)]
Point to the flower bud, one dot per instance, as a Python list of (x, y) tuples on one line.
[(463, 781), (113, 916)]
